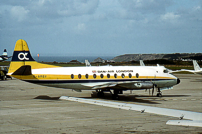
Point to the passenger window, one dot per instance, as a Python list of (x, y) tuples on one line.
[(108, 75), (79, 76), (86, 76), (129, 75), (94, 76), (115, 75), (72, 76), (137, 75), (101, 75), (122, 75)]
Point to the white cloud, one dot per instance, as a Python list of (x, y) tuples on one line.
[(197, 8), (81, 27), (146, 6), (19, 13), (111, 23), (77, 8), (169, 16)]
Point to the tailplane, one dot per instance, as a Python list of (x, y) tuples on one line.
[(196, 66), (22, 57)]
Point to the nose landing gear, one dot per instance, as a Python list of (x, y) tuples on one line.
[(159, 93)]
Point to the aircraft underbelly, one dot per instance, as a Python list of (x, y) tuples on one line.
[(66, 85), (107, 85)]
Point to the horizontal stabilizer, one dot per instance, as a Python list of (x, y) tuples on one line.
[(23, 70)]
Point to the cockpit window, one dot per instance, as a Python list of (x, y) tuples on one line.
[(165, 71)]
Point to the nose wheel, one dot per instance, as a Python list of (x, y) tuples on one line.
[(159, 94)]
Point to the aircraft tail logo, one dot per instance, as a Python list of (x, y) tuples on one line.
[(22, 57)]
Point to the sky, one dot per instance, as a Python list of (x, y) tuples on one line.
[(102, 27)]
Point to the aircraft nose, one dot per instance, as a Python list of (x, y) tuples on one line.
[(178, 80)]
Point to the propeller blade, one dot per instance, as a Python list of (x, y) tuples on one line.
[(153, 90)]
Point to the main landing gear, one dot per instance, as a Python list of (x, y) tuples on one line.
[(115, 96), (100, 93)]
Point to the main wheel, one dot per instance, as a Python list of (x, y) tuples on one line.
[(115, 97), (100, 94), (159, 95)]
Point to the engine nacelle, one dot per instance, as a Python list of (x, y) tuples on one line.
[(138, 85), (143, 85)]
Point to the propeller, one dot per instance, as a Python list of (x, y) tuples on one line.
[(153, 90)]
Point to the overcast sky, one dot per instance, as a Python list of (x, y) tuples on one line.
[(102, 27)]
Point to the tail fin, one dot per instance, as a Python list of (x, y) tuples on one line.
[(196, 66), (22, 57), (87, 63), (142, 63), (5, 53)]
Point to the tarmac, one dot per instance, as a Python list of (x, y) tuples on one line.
[(29, 108)]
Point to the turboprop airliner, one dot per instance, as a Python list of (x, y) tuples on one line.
[(4, 56), (99, 78)]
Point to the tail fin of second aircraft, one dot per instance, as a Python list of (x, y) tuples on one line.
[(142, 63), (196, 66), (22, 57), (5, 53)]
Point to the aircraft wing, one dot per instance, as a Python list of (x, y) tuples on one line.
[(126, 85), (194, 123), (185, 70), (98, 85), (182, 70), (185, 118)]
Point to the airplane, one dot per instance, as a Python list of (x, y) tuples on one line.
[(4, 56), (99, 78), (197, 69)]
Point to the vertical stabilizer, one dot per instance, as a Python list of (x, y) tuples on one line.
[(142, 63), (196, 66), (5, 53), (22, 57), (87, 63)]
